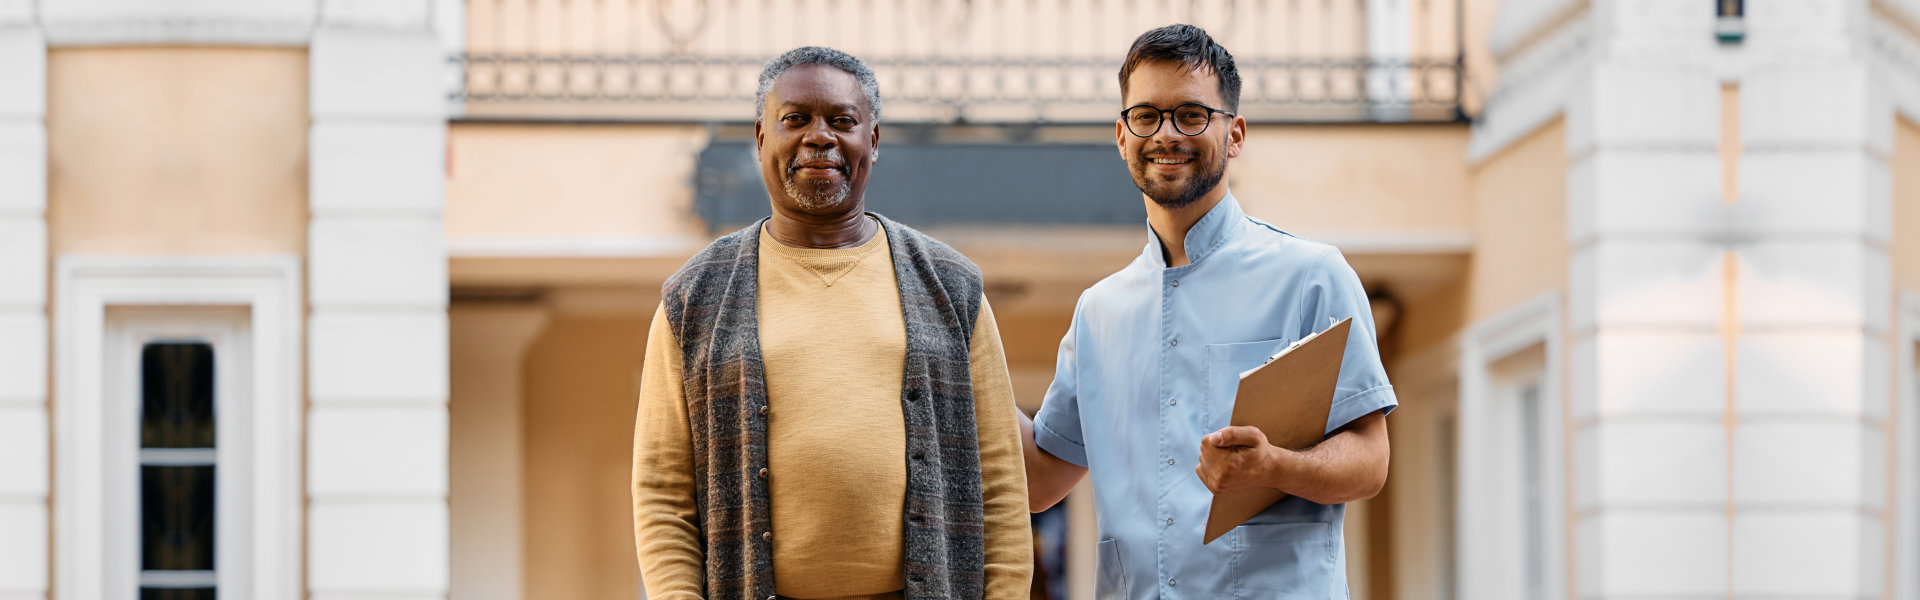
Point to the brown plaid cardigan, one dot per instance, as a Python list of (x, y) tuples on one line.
[(712, 307)]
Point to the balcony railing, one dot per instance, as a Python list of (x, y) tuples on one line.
[(985, 61)]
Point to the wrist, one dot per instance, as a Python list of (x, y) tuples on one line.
[(1274, 466)]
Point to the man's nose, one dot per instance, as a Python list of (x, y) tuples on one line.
[(1168, 135), (816, 135)]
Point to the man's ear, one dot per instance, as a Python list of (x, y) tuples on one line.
[(1236, 136), (1120, 138), (758, 137), (874, 156)]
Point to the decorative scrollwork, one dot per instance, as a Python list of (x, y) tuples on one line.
[(680, 35)]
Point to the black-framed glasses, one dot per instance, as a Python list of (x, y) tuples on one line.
[(1191, 118)]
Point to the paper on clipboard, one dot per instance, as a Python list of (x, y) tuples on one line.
[(1288, 399)]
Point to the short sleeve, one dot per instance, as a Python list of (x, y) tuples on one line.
[(1363, 388), (1056, 429)]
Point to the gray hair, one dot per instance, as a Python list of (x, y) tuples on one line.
[(817, 55)]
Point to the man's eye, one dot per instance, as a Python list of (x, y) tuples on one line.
[(794, 119), (844, 122)]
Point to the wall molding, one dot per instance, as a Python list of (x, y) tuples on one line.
[(1894, 51), (1536, 86)]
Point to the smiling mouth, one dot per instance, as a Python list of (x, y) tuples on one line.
[(837, 168), (1171, 161)]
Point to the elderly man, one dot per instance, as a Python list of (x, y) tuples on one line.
[(1148, 370), (825, 406)]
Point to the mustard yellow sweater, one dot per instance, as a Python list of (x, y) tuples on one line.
[(834, 345)]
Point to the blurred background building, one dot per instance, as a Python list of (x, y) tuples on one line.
[(347, 298)]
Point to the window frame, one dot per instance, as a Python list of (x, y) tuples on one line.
[(129, 330), (267, 289), (1487, 473), (1905, 488)]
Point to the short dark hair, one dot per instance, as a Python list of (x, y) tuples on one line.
[(1191, 47), (817, 55)]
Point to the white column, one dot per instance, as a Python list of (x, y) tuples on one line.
[(1647, 300), (1809, 466), (1730, 358), (1389, 43), (488, 444), (24, 436), (377, 356)]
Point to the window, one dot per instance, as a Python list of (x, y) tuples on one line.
[(178, 464), (1533, 483), (177, 445), (177, 428)]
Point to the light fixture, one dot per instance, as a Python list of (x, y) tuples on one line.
[(1730, 25)]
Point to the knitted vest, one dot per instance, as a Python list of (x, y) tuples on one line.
[(712, 306)]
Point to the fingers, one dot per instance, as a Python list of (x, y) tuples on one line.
[(1209, 479), (1237, 436)]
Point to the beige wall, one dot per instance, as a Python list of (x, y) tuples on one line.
[(1520, 223), (1351, 178), (177, 150), (1905, 165), (548, 181), (582, 381), (1515, 208)]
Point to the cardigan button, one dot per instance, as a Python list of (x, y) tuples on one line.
[(763, 473), (763, 409), (766, 536)]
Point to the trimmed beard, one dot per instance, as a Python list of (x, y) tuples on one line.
[(821, 196), (1165, 194)]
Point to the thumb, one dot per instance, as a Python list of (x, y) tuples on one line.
[(1239, 436)]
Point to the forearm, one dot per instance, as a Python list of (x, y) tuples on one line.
[(671, 560), (1009, 537), (665, 527), (1351, 465), (666, 530), (1049, 478)]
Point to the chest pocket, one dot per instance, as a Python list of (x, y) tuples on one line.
[(1225, 363)]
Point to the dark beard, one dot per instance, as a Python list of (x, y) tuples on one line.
[(1161, 194)]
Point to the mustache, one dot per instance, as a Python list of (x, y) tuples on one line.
[(806, 155), (1174, 152)]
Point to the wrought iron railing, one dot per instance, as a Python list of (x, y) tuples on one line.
[(952, 61)]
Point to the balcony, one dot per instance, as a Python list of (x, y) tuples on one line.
[(950, 61)]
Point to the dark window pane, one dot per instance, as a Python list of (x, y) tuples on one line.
[(176, 396), (176, 518), (192, 594)]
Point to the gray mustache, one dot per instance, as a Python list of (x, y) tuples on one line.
[(806, 155)]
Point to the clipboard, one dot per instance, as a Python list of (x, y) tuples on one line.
[(1288, 399)]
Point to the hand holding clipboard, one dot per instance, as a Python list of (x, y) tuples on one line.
[(1287, 399)]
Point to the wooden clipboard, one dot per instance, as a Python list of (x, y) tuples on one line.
[(1287, 399)]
